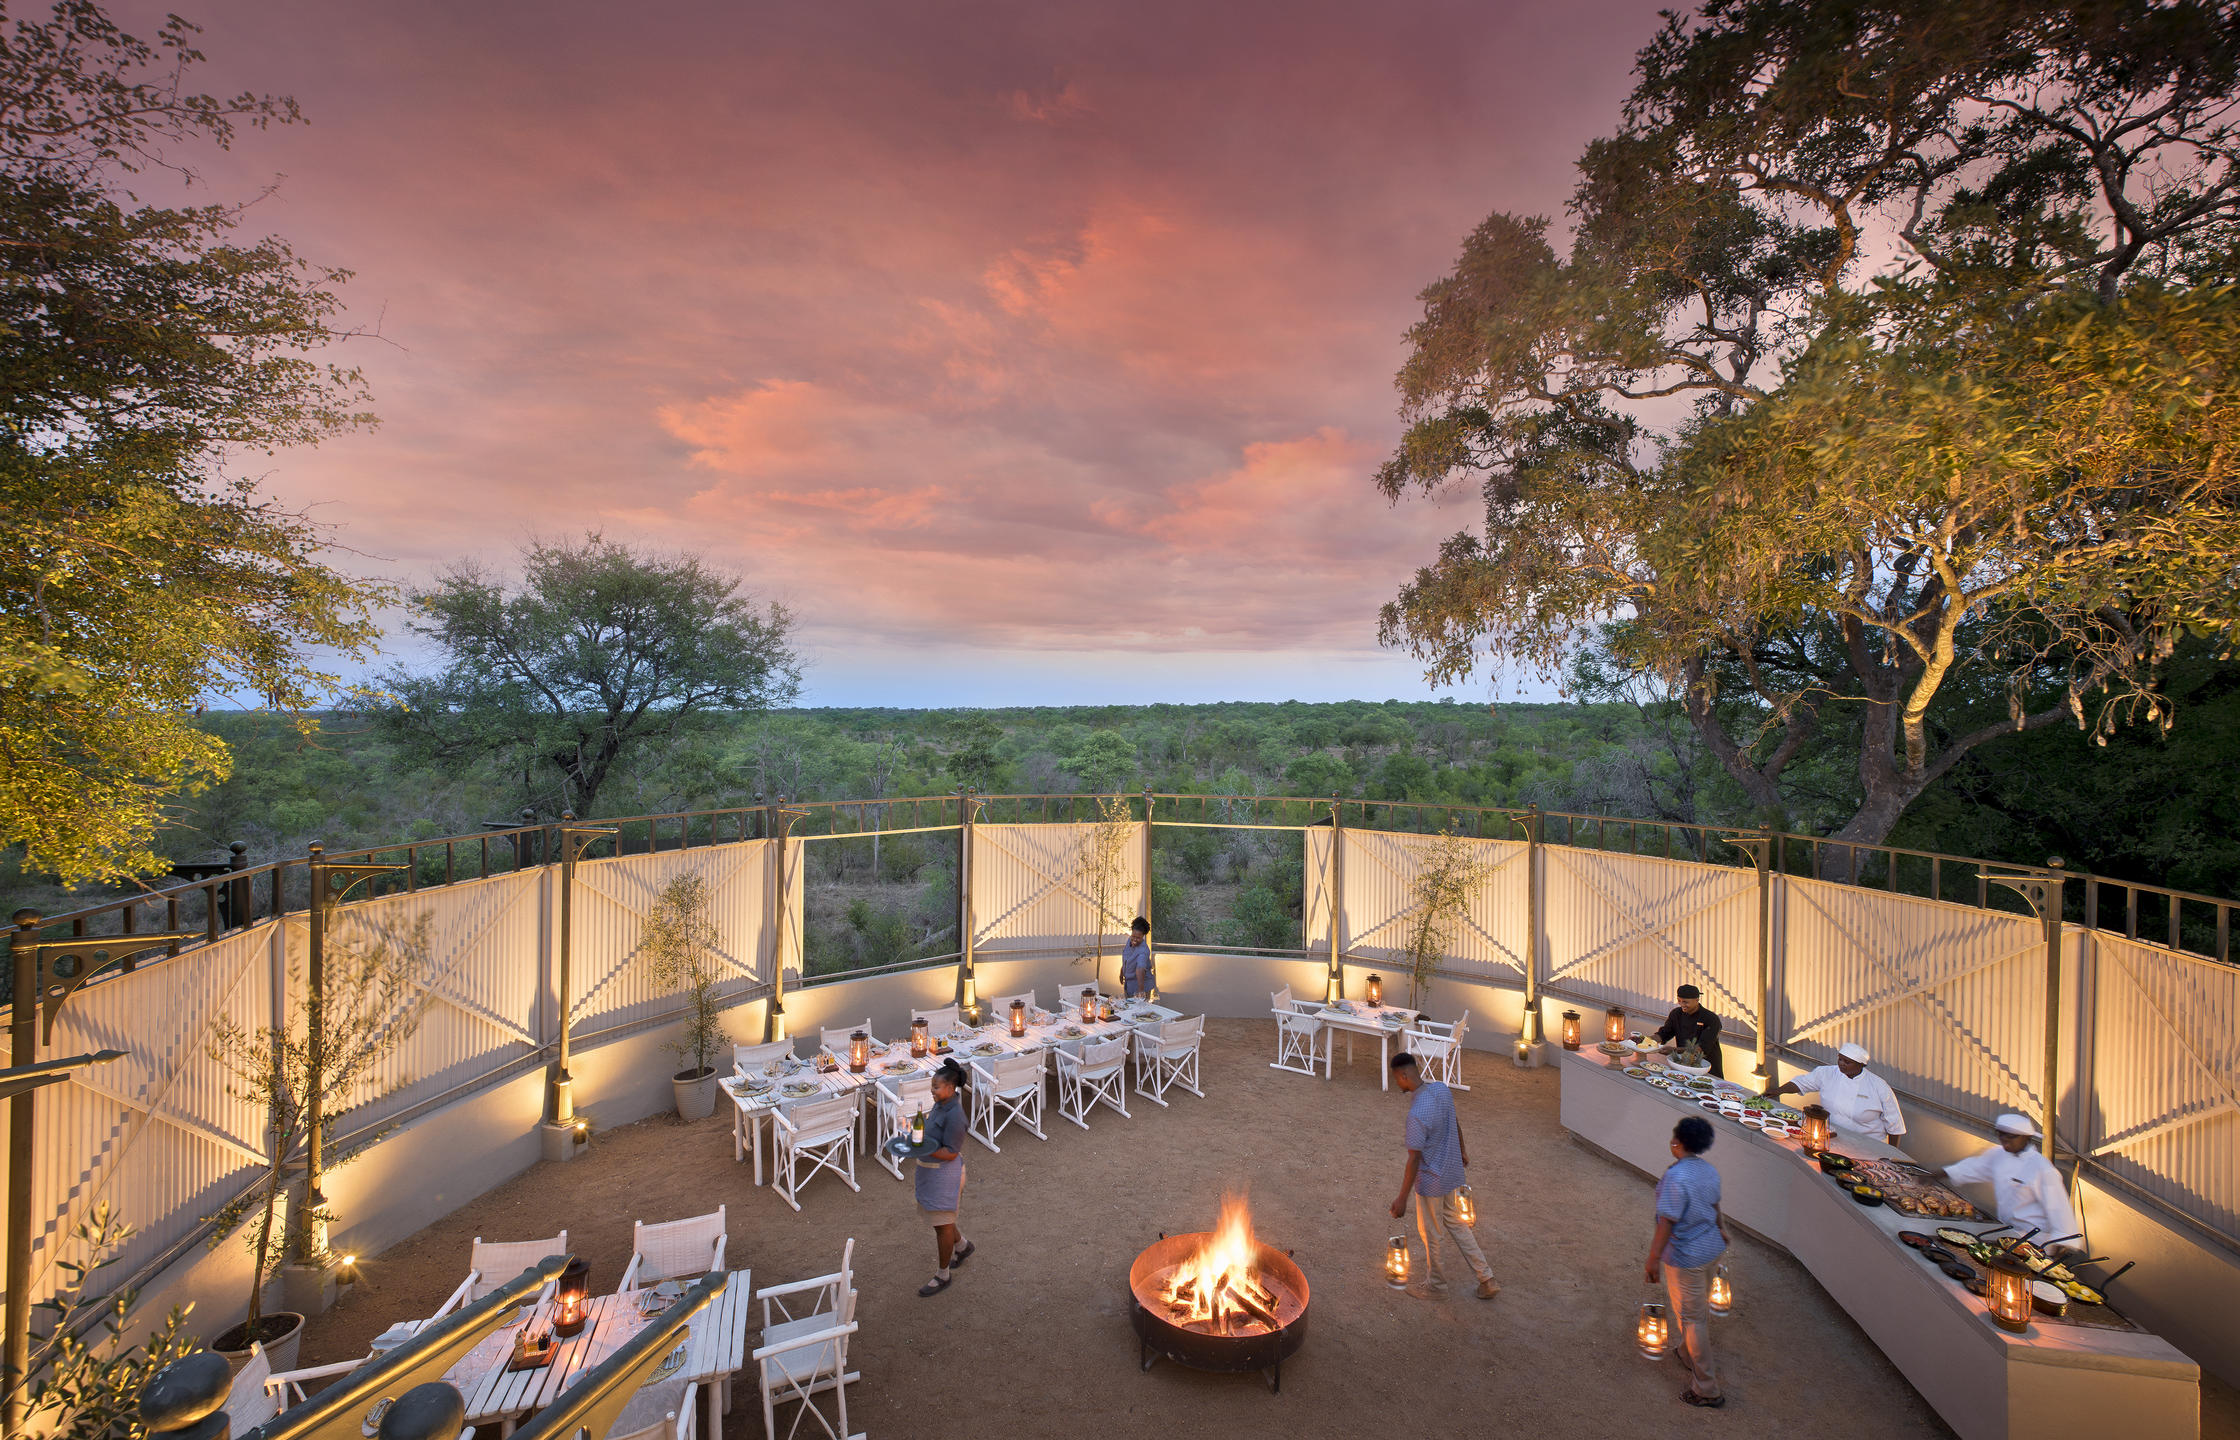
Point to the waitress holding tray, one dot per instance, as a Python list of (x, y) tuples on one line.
[(940, 1178)]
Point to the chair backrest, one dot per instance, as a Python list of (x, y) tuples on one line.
[(1100, 1053), (837, 1040), (1182, 1032), (1295, 1021), (747, 1059), (248, 1403), (829, 1113), (941, 1021), (1001, 1007), (651, 1413), (910, 1091), (495, 1264), (1069, 996), (673, 1249), (1280, 1000), (1015, 1072)]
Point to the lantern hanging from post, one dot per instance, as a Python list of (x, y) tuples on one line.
[(918, 1044), (1376, 989), (1018, 1018), (571, 1297), (1614, 1025), (1815, 1129), (1465, 1207), (859, 1052), (1721, 1297), (2008, 1293), (1089, 1006), (1570, 1029), (1396, 1262), (1652, 1331)]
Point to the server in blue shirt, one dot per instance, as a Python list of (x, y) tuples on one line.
[(1136, 976), (1436, 1161), (940, 1179), (1689, 1241)]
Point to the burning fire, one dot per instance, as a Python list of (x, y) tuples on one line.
[(1219, 1285)]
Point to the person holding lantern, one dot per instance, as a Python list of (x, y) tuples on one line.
[(1856, 1098), (1137, 980), (1437, 1160), (2027, 1191), (1689, 1023), (1691, 1236), (939, 1183)]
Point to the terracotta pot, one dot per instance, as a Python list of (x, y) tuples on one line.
[(696, 1093), (281, 1333)]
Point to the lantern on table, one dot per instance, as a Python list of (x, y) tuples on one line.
[(859, 1052), (2007, 1294), (1089, 1006), (571, 1297), (918, 1041), (1816, 1136), (1614, 1025), (1376, 989), (1652, 1331), (1721, 1297), (1396, 1262), (1570, 1029), (1018, 1018), (1465, 1207), (1104, 1007)]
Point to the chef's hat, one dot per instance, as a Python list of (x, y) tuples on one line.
[(1856, 1053), (2013, 1124)]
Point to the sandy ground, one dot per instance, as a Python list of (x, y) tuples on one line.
[(1033, 1338)]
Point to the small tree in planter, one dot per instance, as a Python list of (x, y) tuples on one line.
[(1100, 868), (374, 994), (679, 946), (90, 1390), (1451, 873)]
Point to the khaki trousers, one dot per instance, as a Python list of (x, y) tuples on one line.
[(1436, 1222), (1687, 1294)]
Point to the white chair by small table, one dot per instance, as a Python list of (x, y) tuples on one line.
[(1095, 1073), (1298, 1038), (1006, 1089), (1169, 1057), (674, 1250), (900, 1097), (663, 1410), (1437, 1047), (820, 1133)]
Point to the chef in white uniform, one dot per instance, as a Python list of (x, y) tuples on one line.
[(1858, 1100), (2027, 1191)]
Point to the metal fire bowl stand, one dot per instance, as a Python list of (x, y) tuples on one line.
[(1221, 1354)]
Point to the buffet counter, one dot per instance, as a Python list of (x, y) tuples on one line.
[(2053, 1379)]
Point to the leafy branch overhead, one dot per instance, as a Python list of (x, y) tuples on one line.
[(1877, 402)]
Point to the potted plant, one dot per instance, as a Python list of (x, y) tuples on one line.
[(374, 990), (1446, 878), (1100, 875), (678, 944)]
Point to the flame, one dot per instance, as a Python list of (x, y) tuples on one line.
[(1218, 1283)]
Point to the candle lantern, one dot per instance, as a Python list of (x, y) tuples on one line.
[(1570, 1029), (1018, 1018), (1465, 1207), (1653, 1331), (1376, 989), (1614, 1025), (918, 1040), (859, 1051), (2008, 1293), (571, 1297), (1815, 1129), (1396, 1262), (1104, 1007), (1089, 1007), (1721, 1299)]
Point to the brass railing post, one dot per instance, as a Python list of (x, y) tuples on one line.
[(329, 883), (781, 832), (1335, 989), (968, 981), (1759, 848), (1534, 1032), (560, 1102), (2042, 891)]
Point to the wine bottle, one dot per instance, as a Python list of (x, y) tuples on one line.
[(918, 1128)]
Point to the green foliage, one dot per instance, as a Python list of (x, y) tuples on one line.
[(599, 652), (91, 1391), (322, 1060), (974, 763), (1105, 761), (678, 944), (1451, 870), (139, 347), (1100, 876)]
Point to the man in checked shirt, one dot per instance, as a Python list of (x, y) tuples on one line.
[(1436, 1161)]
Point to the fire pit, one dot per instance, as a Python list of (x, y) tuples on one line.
[(1219, 1300)]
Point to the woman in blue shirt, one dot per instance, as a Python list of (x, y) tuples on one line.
[(939, 1183), (1689, 1241), (1136, 977)]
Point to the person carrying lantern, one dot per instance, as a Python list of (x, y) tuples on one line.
[(1437, 1159), (939, 1183), (1856, 1098), (1689, 1023), (1691, 1236), (2027, 1191)]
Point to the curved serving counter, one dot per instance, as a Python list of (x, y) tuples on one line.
[(2054, 1379)]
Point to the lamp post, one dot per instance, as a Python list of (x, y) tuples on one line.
[(2041, 891), (1334, 989), (46, 974), (559, 1086), (1760, 850), (330, 882)]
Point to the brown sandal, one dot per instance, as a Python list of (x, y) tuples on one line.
[(1708, 1402)]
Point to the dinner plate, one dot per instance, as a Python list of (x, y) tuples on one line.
[(1711, 1105)]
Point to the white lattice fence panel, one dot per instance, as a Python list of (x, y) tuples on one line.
[(157, 1134), (2165, 1082), (1028, 892), (1315, 893), (1949, 999), (612, 899), (1378, 873), (1630, 930)]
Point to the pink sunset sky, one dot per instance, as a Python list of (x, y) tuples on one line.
[(1032, 354)]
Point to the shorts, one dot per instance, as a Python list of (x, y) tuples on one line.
[(938, 1218)]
